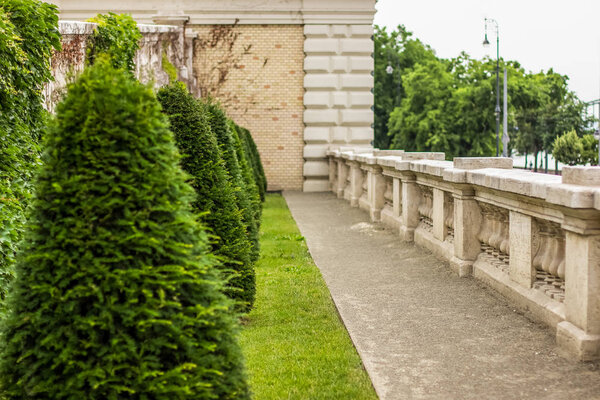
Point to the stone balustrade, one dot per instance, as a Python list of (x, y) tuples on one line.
[(535, 238)]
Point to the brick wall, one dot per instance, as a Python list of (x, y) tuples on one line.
[(256, 71)]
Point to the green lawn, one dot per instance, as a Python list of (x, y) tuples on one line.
[(295, 345)]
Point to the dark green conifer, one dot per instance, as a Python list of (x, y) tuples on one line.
[(255, 161), (215, 200), (220, 126), (251, 187), (116, 295)]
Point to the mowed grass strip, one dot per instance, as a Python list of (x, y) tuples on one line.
[(295, 345)]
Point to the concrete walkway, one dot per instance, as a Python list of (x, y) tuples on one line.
[(422, 332)]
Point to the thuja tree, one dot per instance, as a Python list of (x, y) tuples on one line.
[(220, 126), (28, 35), (215, 200), (117, 36), (255, 161), (252, 189), (116, 295)]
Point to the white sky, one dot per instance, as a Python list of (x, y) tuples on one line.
[(562, 34)]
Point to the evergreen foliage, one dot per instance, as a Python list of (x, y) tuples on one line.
[(255, 161), (571, 149), (116, 295), (28, 35), (215, 200), (220, 126), (252, 189), (118, 36)]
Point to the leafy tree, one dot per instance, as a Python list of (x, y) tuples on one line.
[(28, 36), (396, 49), (568, 148), (589, 155), (215, 199), (117, 296), (115, 35)]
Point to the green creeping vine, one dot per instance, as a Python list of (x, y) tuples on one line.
[(28, 36), (116, 35)]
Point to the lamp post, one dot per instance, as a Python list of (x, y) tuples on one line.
[(497, 111)]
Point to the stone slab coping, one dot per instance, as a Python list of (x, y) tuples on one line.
[(384, 153), (430, 167), (388, 161), (75, 27), (514, 181), (418, 155), (483, 162), (151, 28), (580, 175)]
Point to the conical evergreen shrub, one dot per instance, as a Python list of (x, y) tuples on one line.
[(251, 187), (215, 200), (255, 161), (116, 295), (220, 126)]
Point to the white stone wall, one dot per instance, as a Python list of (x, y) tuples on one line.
[(338, 82)]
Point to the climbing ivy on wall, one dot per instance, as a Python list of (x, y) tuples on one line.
[(28, 36), (115, 35)]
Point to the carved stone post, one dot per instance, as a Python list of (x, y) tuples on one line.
[(356, 181), (521, 269), (580, 333), (342, 176), (439, 217), (467, 221), (376, 192), (411, 196)]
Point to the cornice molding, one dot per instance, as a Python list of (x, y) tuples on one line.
[(204, 12)]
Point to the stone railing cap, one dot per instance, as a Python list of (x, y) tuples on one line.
[(430, 167), (580, 175), (483, 162)]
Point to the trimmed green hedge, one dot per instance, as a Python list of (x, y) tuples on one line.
[(253, 193), (257, 167), (220, 126), (215, 200), (118, 36), (117, 296), (28, 35)]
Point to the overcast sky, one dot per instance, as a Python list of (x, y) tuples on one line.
[(562, 34)]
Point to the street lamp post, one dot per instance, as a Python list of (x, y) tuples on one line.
[(497, 111)]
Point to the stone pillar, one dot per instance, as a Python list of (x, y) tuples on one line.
[(342, 176), (397, 197), (580, 333), (333, 169), (439, 217), (376, 193), (356, 181), (411, 196), (521, 267), (467, 221)]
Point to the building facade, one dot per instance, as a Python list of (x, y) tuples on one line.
[(296, 73)]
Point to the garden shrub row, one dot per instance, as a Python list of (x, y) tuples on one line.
[(143, 231)]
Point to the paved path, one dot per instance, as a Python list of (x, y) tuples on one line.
[(422, 332)]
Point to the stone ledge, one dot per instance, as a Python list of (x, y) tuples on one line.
[(582, 176)]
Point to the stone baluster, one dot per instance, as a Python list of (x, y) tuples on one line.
[(411, 196), (467, 221), (342, 175)]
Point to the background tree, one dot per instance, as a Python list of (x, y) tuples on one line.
[(402, 52), (116, 295)]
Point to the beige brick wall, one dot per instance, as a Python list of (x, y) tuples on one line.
[(256, 71)]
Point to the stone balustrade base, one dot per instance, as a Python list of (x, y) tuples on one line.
[(572, 340)]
